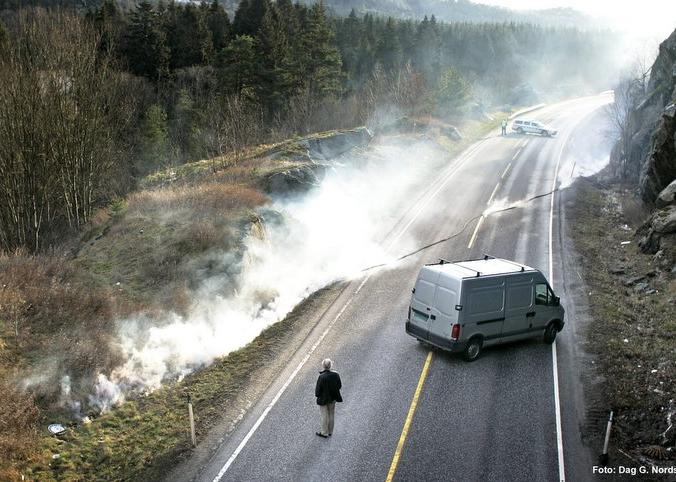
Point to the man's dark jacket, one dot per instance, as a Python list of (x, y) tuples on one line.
[(328, 388)]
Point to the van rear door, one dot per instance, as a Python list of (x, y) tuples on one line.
[(422, 302), (444, 313)]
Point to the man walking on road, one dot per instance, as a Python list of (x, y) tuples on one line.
[(504, 127), (327, 392)]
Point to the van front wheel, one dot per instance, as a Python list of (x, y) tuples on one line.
[(550, 333), (473, 349)]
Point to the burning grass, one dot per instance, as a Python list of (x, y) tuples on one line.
[(146, 436), (58, 312)]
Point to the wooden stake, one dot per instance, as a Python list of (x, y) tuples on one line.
[(192, 423), (604, 455)]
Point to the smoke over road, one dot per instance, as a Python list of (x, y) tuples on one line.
[(303, 243)]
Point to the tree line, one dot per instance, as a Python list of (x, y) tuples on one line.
[(90, 103)]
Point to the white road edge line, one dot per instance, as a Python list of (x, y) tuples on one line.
[(495, 189), (476, 231), (426, 201), (281, 391), (555, 369), (458, 165), (504, 173), (517, 153)]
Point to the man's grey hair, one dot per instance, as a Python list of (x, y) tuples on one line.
[(326, 363)]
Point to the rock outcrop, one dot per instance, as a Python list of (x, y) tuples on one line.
[(310, 157), (646, 155)]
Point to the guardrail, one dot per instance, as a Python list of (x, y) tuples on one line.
[(526, 110)]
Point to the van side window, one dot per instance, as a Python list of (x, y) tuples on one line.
[(541, 294)]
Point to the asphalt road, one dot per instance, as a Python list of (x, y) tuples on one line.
[(494, 419)]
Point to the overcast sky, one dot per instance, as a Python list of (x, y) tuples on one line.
[(641, 16)]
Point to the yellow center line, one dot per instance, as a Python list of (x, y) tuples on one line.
[(409, 419)]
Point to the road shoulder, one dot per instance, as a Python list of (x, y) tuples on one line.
[(620, 344)]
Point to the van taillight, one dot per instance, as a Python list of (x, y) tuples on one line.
[(455, 332)]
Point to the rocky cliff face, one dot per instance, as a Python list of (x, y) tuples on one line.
[(646, 154)]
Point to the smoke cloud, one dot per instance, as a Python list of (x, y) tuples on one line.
[(303, 243)]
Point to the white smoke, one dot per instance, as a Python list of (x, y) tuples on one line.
[(328, 234)]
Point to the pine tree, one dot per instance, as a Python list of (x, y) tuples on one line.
[(275, 69), (389, 51), (321, 62), (428, 48), (453, 92), (110, 23), (146, 47), (249, 16), (238, 66), (189, 36), (154, 138), (185, 126), (219, 25)]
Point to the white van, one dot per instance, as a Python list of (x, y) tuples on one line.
[(465, 306), (523, 126)]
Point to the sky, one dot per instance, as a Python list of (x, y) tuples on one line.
[(636, 16)]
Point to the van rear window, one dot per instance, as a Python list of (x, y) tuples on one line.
[(419, 315)]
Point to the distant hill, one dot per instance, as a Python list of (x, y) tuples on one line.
[(443, 10), (461, 11)]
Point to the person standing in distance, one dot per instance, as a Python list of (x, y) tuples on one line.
[(504, 127), (327, 392)]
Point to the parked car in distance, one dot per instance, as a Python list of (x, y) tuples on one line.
[(523, 126), (465, 306)]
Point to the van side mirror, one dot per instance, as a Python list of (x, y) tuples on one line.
[(556, 301)]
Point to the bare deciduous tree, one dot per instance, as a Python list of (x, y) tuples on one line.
[(60, 109), (233, 124)]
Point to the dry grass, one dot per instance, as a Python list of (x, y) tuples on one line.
[(51, 324), (18, 433), (633, 327), (48, 312), (203, 199)]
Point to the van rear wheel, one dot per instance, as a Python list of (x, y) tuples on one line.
[(550, 333), (473, 349)]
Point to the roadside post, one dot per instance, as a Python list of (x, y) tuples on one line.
[(192, 422), (604, 456)]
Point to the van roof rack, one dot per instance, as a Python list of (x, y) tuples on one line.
[(445, 261), (486, 256), (441, 261)]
